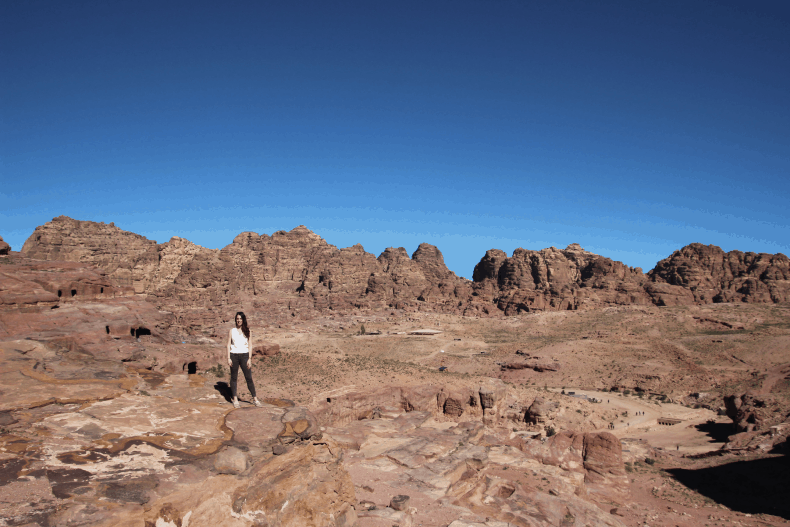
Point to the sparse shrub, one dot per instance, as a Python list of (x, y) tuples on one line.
[(362, 329), (217, 371), (578, 411), (650, 461), (626, 392), (550, 431), (605, 390), (629, 467)]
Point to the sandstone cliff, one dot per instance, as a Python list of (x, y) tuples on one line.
[(704, 273), (286, 274), (299, 274), (554, 279)]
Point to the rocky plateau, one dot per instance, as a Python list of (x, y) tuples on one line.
[(557, 387)]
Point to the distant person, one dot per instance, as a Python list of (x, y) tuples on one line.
[(239, 347)]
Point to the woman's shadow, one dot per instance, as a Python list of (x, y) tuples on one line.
[(224, 390)]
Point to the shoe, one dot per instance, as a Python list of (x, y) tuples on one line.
[(235, 403), (256, 402)]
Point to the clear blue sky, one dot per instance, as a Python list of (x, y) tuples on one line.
[(630, 127)]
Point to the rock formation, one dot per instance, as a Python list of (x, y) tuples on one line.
[(553, 279), (704, 273), (298, 274), (537, 411), (532, 365), (286, 274), (4, 247), (750, 412), (596, 455)]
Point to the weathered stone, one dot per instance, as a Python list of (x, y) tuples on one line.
[(537, 411), (279, 450), (265, 349), (487, 398), (298, 424), (454, 405), (597, 455), (230, 461), (400, 502), (532, 365)]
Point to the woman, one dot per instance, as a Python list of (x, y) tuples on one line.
[(239, 347)]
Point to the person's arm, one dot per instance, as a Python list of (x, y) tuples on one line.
[(230, 334), (249, 351)]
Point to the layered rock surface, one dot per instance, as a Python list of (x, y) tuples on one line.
[(106, 446)]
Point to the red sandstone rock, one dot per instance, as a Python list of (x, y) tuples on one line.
[(455, 401), (553, 279), (4, 247), (705, 274), (532, 365), (749, 411), (597, 455), (266, 349), (537, 412), (287, 274), (298, 274)]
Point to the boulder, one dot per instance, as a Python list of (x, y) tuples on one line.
[(298, 424), (400, 502), (230, 461), (265, 349), (537, 411), (750, 411)]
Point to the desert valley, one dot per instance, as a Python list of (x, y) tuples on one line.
[(557, 387)]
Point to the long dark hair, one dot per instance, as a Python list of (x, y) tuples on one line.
[(244, 328)]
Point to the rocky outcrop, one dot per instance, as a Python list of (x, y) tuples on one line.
[(538, 411), (266, 349), (749, 411), (532, 365), (4, 247), (109, 444), (294, 273), (124, 256), (554, 279), (29, 283), (704, 273), (596, 455), (298, 274)]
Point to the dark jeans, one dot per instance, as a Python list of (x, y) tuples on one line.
[(236, 360)]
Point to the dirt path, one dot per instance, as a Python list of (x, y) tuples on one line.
[(774, 375)]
